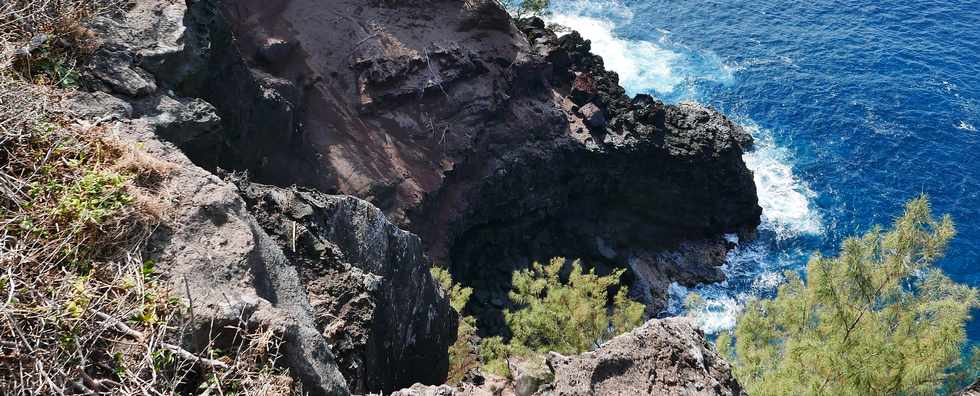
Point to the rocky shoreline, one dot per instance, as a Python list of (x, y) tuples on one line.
[(495, 142)]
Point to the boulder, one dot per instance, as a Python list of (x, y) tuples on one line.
[(593, 117), (662, 357)]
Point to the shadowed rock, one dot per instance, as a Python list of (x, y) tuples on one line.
[(497, 145), (369, 285)]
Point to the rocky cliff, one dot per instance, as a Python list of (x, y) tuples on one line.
[(495, 142), (349, 292)]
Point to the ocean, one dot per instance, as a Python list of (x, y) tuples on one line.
[(855, 106)]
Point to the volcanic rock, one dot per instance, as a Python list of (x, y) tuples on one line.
[(662, 357), (342, 285), (459, 126), (368, 283)]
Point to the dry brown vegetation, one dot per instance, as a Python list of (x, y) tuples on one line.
[(81, 311)]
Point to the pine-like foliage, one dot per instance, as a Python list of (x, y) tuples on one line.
[(879, 319), (568, 317), (463, 354), (527, 8)]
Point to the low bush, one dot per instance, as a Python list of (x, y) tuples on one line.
[(878, 319), (567, 315), (463, 354)]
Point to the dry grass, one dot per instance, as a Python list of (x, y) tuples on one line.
[(43, 41), (81, 311)]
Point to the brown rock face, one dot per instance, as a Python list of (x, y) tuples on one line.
[(495, 144), (461, 127), (662, 357)]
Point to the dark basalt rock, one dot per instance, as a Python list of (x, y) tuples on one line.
[(368, 283), (462, 127), (349, 292)]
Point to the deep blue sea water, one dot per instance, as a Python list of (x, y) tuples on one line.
[(856, 107)]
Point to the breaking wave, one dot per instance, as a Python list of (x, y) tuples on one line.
[(671, 71)]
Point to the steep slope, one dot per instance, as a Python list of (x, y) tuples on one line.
[(497, 145), (350, 292)]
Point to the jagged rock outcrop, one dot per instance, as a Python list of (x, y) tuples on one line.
[(346, 286), (495, 144), (662, 357), (350, 293), (230, 271), (368, 283)]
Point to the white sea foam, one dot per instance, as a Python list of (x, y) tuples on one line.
[(767, 281), (966, 126), (752, 269), (785, 200), (642, 66), (660, 66), (718, 314), (668, 69)]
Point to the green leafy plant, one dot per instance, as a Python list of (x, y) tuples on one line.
[(94, 197), (463, 354), (568, 317), (527, 8), (878, 319)]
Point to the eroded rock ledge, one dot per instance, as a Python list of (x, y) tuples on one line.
[(496, 144)]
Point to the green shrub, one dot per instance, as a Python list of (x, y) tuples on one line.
[(568, 317), (527, 8), (879, 319), (462, 353)]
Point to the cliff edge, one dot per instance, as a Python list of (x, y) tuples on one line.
[(496, 142)]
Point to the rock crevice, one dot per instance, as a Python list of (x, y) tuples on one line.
[(495, 142)]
